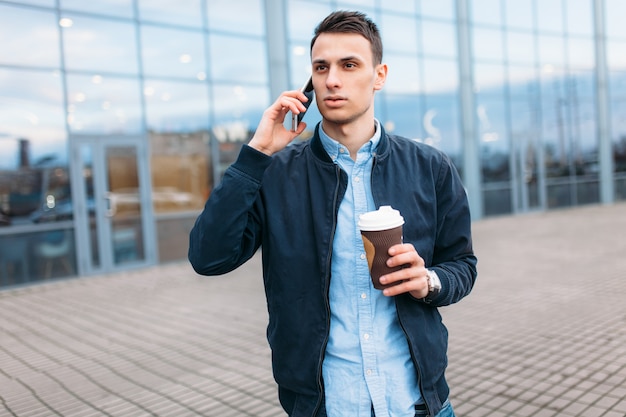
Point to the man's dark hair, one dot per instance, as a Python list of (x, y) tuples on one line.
[(352, 22)]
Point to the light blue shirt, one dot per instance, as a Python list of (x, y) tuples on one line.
[(367, 360)]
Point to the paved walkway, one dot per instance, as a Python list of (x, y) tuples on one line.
[(543, 334)]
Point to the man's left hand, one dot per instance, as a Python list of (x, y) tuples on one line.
[(413, 278)]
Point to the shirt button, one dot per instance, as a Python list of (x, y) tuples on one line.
[(369, 372), (363, 296), (362, 256), (356, 179), (341, 150), (366, 336)]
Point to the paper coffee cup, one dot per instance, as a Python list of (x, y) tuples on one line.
[(380, 230)]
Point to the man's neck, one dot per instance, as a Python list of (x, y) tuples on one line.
[(352, 135)]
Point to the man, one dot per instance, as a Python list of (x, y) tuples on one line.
[(339, 346)]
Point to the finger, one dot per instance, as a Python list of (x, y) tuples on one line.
[(418, 287)]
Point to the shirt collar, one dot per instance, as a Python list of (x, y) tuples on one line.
[(333, 147)]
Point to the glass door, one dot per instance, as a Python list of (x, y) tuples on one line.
[(111, 188)]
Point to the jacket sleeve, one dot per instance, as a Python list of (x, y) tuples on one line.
[(453, 257), (228, 231)]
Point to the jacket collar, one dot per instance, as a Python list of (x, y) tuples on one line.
[(318, 148)]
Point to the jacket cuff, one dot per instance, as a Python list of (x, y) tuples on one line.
[(252, 162)]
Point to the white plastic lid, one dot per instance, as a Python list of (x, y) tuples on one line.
[(382, 219)]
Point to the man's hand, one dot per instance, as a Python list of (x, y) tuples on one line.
[(271, 135), (413, 277)]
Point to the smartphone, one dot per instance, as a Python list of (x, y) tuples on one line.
[(307, 89)]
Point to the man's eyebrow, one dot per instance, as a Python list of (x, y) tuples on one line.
[(345, 59)]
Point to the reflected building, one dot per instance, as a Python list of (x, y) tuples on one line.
[(118, 117)]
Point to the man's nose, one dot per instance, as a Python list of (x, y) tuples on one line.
[(333, 80)]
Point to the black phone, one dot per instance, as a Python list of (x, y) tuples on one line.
[(307, 89)]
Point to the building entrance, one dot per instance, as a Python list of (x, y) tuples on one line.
[(113, 210)]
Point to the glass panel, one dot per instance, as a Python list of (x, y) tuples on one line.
[(87, 169), (241, 60), (399, 34), (99, 45), (34, 183), (441, 123), (614, 13), (360, 3), (123, 8), (407, 7), (236, 118), (560, 195), (178, 115), (479, 15), (615, 55), (443, 9), (125, 208), (176, 106), (403, 115), (497, 201), (487, 44), (48, 3), (440, 76), (550, 16), (180, 171), (618, 130), (180, 12), (552, 51), (519, 14), (102, 104), (242, 16), (587, 192), (303, 17), (300, 64), (28, 37), (403, 76), (445, 34), (495, 147), (522, 81), (520, 47), (581, 53), (580, 16), (172, 52), (489, 79)]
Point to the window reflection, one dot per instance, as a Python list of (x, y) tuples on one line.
[(172, 52), (28, 37), (123, 8), (103, 104), (399, 34), (486, 12), (614, 13), (444, 33), (519, 14), (520, 47), (180, 159), (443, 9), (238, 59), (236, 118), (404, 74), (303, 16), (487, 44), (550, 16), (99, 44), (180, 12), (242, 16), (33, 154)]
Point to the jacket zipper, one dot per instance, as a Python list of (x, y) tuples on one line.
[(327, 292)]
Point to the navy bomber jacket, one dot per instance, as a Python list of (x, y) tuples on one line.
[(288, 204)]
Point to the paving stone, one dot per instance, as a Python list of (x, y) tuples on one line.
[(537, 337)]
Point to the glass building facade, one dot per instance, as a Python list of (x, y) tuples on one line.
[(118, 117)]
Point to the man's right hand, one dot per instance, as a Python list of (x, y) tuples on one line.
[(271, 135)]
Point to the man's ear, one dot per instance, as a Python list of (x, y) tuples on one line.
[(381, 76)]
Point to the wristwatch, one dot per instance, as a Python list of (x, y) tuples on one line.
[(434, 286)]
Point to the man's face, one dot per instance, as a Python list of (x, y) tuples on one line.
[(345, 77)]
